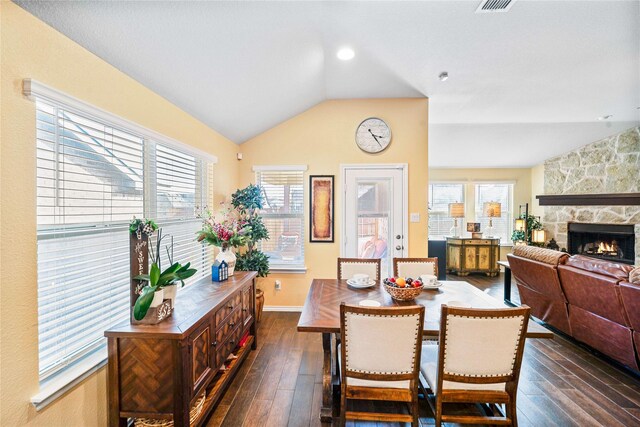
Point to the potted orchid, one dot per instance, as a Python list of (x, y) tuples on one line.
[(227, 233)]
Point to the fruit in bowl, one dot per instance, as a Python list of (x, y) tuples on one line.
[(403, 288)]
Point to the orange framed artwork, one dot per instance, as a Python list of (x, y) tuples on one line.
[(321, 208)]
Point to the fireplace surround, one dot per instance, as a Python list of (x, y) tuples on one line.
[(612, 242)]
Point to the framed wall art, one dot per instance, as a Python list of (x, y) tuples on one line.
[(321, 208)]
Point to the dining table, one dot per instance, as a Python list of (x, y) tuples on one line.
[(321, 314)]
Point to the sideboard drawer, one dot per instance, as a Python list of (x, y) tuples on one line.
[(482, 242), (227, 347), (230, 322), (229, 306)]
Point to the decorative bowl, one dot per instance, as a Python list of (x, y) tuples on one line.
[(403, 294)]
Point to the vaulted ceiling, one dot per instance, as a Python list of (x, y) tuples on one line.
[(524, 85)]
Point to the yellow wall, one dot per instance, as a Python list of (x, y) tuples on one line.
[(31, 49), (522, 189), (323, 138)]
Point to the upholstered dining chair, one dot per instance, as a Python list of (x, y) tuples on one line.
[(414, 267), (381, 354), (347, 267), (478, 361)]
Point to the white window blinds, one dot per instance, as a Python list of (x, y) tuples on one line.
[(440, 195), (503, 194), (283, 215), (183, 184), (92, 178), (90, 184)]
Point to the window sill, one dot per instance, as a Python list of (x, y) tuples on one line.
[(56, 387), (288, 270)]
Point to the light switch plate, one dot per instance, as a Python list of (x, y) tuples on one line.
[(415, 217)]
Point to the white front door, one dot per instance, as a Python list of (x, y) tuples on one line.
[(374, 213)]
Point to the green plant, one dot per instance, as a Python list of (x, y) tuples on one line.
[(533, 223), (158, 280), (253, 261), (248, 201)]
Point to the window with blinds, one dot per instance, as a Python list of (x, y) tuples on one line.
[(92, 178), (503, 194), (440, 195), (183, 183), (283, 215)]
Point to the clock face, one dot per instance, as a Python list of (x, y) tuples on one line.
[(373, 135)]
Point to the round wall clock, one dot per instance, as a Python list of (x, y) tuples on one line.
[(373, 135)]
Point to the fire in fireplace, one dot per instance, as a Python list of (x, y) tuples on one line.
[(614, 242)]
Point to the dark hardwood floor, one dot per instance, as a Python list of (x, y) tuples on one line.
[(562, 384)]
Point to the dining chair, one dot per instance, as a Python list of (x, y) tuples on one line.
[(381, 353), (347, 267), (478, 361), (414, 267)]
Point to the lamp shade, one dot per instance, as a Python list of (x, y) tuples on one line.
[(539, 236), (456, 210), (521, 224), (492, 209)]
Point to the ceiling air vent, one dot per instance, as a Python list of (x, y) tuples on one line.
[(487, 6)]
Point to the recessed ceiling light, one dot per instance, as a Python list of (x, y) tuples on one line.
[(607, 117), (346, 53), (443, 76)]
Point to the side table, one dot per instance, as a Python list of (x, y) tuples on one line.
[(507, 283)]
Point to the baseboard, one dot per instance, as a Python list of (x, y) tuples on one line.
[(284, 308)]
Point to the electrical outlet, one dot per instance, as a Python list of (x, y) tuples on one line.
[(278, 285)]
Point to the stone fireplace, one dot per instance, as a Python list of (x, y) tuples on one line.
[(611, 165), (612, 242)]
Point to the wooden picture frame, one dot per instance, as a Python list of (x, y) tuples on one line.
[(473, 227), (321, 208)]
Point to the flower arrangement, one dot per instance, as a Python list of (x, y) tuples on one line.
[(231, 231)]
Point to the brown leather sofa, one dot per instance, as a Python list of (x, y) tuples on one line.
[(589, 299)]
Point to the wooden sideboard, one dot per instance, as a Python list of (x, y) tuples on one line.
[(466, 256), (159, 371)]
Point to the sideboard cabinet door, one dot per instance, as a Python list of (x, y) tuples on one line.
[(200, 351), (247, 307)]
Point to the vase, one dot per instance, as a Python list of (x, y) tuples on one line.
[(158, 297), (227, 255), (170, 293), (259, 304)]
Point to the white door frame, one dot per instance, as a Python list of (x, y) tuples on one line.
[(405, 197)]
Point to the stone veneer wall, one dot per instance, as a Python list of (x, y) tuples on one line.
[(611, 165)]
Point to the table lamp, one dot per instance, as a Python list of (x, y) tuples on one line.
[(456, 210), (491, 210), (539, 236)]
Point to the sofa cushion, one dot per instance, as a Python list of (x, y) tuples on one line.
[(592, 291), (547, 256), (536, 275), (634, 276), (607, 268)]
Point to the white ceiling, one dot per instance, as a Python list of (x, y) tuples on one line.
[(524, 85)]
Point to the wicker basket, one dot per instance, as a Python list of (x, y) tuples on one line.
[(403, 294), (196, 410)]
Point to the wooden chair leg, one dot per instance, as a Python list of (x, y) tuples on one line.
[(512, 413), (438, 414), (343, 409), (415, 410)]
